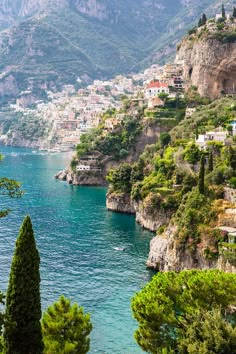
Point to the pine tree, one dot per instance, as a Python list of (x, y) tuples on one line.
[(23, 333), (66, 328), (234, 12), (201, 177), (200, 22), (204, 19), (210, 162), (223, 12)]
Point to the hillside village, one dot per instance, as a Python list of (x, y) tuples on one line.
[(71, 114)]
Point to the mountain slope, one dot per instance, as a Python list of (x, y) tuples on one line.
[(49, 44)]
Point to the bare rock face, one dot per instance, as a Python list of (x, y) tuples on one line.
[(151, 218), (156, 258), (93, 8), (210, 65), (166, 255), (119, 202), (82, 179)]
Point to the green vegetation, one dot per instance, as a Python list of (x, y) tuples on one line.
[(218, 113), (176, 177), (228, 251), (208, 332), (27, 127), (201, 177), (10, 188), (23, 308), (116, 143), (168, 310), (66, 328)]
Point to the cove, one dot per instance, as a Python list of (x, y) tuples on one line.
[(76, 237)]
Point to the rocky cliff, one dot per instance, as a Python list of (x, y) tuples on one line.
[(209, 62), (166, 255), (148, 217)]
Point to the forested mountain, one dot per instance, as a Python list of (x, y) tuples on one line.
[(45, 44)]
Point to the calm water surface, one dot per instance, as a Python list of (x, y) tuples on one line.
[(76, 237)]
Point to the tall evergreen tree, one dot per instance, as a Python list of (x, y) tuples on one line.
[(232, 158), (23, 333), (223, 12), (201, 178), (234, 12), (210, 162), (200, 22), (66, 328), (204, 19)]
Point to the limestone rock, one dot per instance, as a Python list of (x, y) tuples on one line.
[(209, 64)]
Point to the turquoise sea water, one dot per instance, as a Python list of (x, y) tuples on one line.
[(76, 237)]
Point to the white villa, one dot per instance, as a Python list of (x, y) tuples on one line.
[(219, 136), (155, 88)]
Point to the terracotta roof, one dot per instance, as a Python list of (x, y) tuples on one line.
[(157, 84)]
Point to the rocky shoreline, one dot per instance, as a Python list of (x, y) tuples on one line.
[(82, 179), (148, 218), (165, 255)]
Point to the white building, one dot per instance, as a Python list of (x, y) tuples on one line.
[(83, 168), (155, 88), (219, 136)]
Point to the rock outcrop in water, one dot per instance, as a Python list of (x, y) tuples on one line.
[(149, 218)]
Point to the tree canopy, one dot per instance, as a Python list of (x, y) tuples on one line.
[(23, 308), (172, 302), (10, 188), (66, 328)]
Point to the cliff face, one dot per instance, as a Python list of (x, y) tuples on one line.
[(166, 255), (209, 64), (149, 218)]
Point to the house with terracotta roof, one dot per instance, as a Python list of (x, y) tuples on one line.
[(155, 102), (155, 88)]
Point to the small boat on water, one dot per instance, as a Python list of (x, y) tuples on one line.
[(119, 248), (14, 154)]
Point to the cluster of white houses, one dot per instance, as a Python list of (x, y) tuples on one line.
[(219, 135)]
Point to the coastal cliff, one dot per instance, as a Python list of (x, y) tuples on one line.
[(166, 254), (148, 217), (87, 178), (147, 135), (209, 56)]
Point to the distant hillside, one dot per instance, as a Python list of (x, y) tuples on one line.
[(45, 44)]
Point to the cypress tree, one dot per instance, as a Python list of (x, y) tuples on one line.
[(223, 12), (210, 162), (200, 22), (234, 12), (232, 158), (201, 177), (23, 334), (204, 19)]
